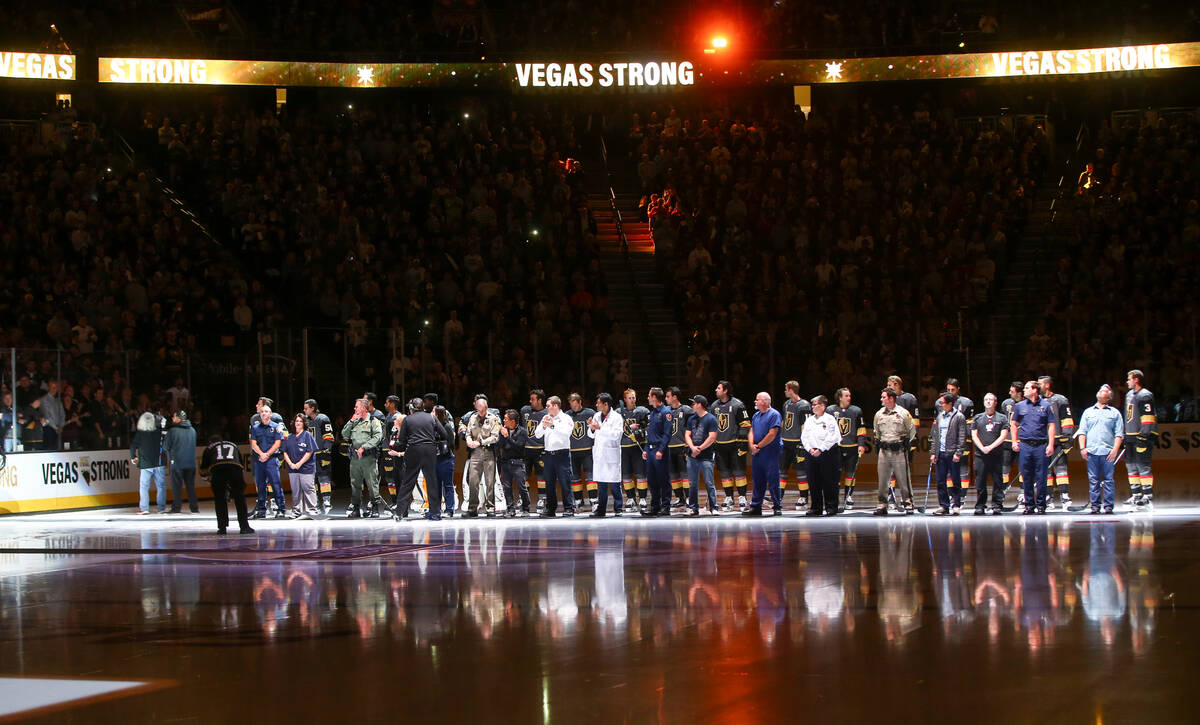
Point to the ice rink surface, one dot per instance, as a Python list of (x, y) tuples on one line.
[(1058, 618)]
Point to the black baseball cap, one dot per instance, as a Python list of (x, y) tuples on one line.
[(699, 399)]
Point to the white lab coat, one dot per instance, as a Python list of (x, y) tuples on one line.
[(606, 451)]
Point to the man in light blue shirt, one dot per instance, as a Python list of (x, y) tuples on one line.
[(1101, 432)]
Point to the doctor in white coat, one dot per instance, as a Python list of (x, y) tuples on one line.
[(606, 428)]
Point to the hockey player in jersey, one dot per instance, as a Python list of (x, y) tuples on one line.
[(1057, 476), (793, 456), (633, 444), (581, 451), (854, 440), (531, 418), (322, 429), (221, 464), (678, 449), (733, 425), (1141, 432), (966, 406)]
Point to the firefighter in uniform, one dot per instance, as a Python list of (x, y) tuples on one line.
[(363, 434), (581, 452), (854, 440), (633, 466), (1057, 475), (908, 401), (272, 510), (1141, 430), (678, 447), (795, 411), (322, 429), (966, 406), (1007, 457), (531, 418), (733, 425)]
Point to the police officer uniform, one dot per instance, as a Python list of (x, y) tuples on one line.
[(1141, 430), (793, 455), (658, 440), (679, 453), (481, 462), (530, 420), (854, 434), (581, 456), (364, 469), (908, 401), (1058, 475), (633, 467), (894, 430), (733, 423)]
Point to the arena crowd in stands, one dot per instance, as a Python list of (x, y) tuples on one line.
[(848, 216)]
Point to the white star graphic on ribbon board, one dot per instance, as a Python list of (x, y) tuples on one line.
[(366, 75), (833, 71)]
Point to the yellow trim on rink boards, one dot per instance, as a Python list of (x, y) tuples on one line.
[(70, 503)]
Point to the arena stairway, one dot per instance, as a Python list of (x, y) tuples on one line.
[(1017, 300), (635, 294)]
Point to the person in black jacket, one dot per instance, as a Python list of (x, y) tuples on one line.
[(420, 435), (146, 452), (511, 456), (222, 465)]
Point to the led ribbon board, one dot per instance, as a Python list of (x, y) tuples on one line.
[(564, 76), (39, 66), (1012, 64)]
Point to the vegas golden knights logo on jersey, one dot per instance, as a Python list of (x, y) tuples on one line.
[(1129, 410), (674, 424), (844, 426), (723, 422), (628, 430), (577, 431), (530, 427), (788, 419)]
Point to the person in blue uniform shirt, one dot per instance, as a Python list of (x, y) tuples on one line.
[(764, 445), (656, 455), (266, 439), (1032, 428)]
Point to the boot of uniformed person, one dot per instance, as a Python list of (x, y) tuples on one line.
[(989, 433), (1058, 474), (583, 486), (966, 406), (894, 431), (733, 424), (531, 417), (322, 429), (364, 435), (792, 456), (678, 448), (854, 440), (633, 466), (1141, 431)]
